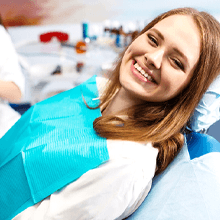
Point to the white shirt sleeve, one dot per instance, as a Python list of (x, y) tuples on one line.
[(10, 69), (114, 190)]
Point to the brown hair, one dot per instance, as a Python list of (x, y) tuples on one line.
[(162, 123)]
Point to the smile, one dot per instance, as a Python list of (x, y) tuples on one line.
[(142, 72)]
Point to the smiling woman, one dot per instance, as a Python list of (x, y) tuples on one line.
[(167, 54), (72, 157), (182, 66)]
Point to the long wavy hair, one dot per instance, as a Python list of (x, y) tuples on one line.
[(162, 123)]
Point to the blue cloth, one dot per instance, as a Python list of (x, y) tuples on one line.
[(52, 144), (189, 189), (208, 110)]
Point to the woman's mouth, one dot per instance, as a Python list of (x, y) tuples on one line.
[(143, 73)]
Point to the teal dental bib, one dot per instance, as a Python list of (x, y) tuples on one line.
[(53, 144)]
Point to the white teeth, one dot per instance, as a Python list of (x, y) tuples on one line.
[(143, 72), (137, 67)]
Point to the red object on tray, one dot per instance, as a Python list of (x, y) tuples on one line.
[(61, 36)]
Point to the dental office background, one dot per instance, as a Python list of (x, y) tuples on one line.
[(17, 13), (47, 12)]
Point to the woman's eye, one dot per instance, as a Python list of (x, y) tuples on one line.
[(178, 64), (152, 39)]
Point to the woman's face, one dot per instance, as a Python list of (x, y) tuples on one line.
[(160, 63)]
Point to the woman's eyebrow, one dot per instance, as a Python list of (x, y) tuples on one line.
[(158, 33)]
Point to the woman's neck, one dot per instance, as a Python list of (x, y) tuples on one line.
[(120, 102)]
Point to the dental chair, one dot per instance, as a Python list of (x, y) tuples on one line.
[(189, 189)]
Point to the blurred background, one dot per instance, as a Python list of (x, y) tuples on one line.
[(44, 12), (104, 26)]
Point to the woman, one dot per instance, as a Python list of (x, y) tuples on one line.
[(155, 87), (11, 82)]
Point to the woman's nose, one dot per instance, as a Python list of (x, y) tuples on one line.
[(154, 58)]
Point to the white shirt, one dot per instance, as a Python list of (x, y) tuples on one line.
[(9, 71), (114, 190)]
